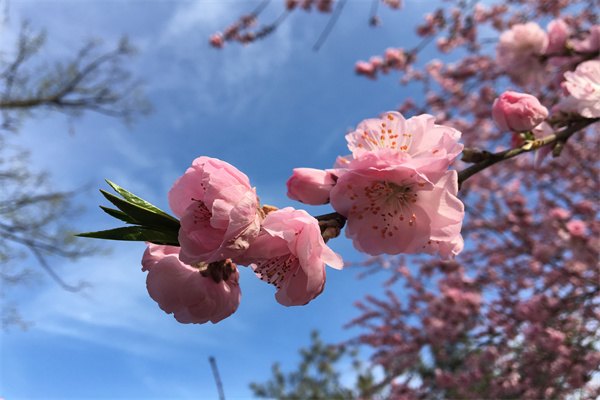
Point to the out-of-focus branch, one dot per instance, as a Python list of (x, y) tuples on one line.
[(94, 80), (330, 24), (34, 215)]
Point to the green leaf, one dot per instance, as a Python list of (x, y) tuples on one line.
[(142, 215), (135, 233), (132, 198), (119, 215)]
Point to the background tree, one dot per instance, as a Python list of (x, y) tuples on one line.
[(319, 375), (34, 216)]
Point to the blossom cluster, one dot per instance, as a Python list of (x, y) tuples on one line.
[(222, 225), (394, 188), (523, 50)]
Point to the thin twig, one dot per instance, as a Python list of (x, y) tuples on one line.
[(215, 370), (373, 19), (330, 24), (46, 267)]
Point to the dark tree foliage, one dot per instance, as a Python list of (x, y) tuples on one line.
[(319, 375)]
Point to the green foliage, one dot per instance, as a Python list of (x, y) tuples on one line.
[(150, 223)]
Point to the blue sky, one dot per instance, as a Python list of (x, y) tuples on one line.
[(266, 109)]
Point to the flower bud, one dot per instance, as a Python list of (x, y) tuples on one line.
[(217, 40), (558, 33), (310, 186), (519, 112), (365, 68)]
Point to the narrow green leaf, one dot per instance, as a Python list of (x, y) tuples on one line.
[(119, 215), (142, 215), (132, 198), (135, 233)]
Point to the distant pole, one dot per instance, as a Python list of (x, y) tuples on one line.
[(215, 370)]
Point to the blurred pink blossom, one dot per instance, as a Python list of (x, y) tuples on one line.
[(365, 68), (395, 57), (590, 43), (558, 33), (217, 40), (519, 50), (576, 228), (559, 213), (583, 87)]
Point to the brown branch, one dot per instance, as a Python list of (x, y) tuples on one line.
[(494, 158), (331, 225)]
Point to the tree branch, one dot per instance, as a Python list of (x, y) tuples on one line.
[(494, 158)]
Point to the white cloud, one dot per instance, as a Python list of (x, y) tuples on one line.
[(189, 16), (211, 78)]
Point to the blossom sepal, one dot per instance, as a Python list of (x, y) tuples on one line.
[(148, 222)]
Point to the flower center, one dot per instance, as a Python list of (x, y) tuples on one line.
[(383, 135), (390, 194), (388, 205), (201, 212), (276, 269)]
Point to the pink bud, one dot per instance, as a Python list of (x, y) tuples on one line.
[(576, 228), (310, 186), (395, 57), (216, 40), (559, 213), (519, 112), (376, 61), (558, 33), (365, 68)]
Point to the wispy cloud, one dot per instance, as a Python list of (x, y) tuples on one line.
[(116, 311)]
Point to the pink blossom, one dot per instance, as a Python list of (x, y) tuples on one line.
[(216, 40), (583, 87), (393, 3), (431, 147), (376, 62), (558, 33), (218, 210), (395, 58), (310, 186), (519, 112), (559, 213), (154, 253), (576, 228), (365, 68), (394, 208), (290, 253), (590, 43), (185, 291), (519, 50)]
